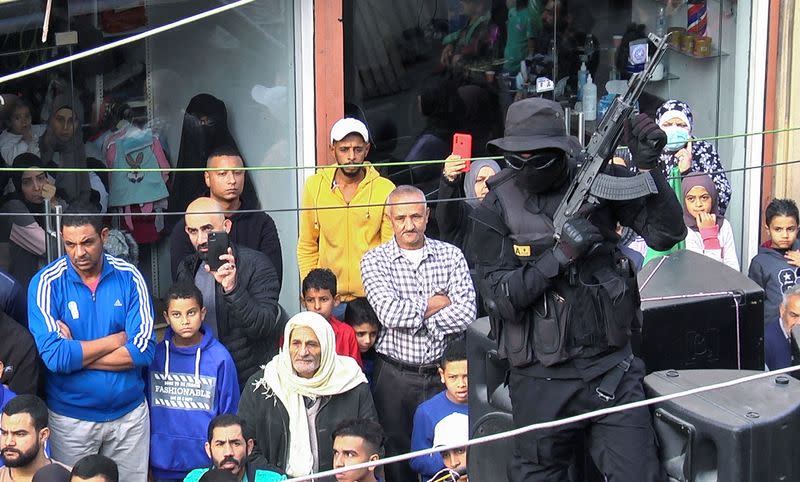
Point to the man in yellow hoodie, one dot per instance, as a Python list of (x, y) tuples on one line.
[(337, 238)]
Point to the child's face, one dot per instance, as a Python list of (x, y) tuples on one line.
[(366, 334), (455, 459), (454, 377), (321, 302), (783, 231), (698, 200), (185, 317), (20, 121)]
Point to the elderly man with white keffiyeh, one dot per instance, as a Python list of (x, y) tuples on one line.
[(296, 402)]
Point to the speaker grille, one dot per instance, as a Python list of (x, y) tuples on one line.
[(494, 457)]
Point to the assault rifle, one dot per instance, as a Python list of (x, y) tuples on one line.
[(590, 185)]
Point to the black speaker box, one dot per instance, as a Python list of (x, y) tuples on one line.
[(699, 313), (489, 405), (745, 433)]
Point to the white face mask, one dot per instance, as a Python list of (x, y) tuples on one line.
[(677, 137)]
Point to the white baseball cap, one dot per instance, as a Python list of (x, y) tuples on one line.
[(343, 127), (451, 430)]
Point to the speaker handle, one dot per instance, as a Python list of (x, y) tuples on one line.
[(496, 379), (675, 437)]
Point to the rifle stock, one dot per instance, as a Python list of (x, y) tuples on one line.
[(590, 185)]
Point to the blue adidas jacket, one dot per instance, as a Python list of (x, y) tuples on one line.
[(187, 387), (121, 302)]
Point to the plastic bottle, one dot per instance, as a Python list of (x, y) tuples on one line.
[(582, 80), (589, 99), (604, 104), (661, 22)]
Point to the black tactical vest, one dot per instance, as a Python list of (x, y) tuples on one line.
[(593, 314)]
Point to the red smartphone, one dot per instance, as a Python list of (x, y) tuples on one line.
[(462, 145)]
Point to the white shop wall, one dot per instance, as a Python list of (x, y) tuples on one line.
[(714, 87), (226, 56)]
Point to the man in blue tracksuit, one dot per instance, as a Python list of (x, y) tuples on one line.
[(91, 316)]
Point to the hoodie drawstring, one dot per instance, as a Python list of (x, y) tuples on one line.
[(316, 204), (197, 366), (369, 198), (166, 361), (196, 363)]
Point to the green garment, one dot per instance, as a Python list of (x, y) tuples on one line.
[(519, 29), (464, 36), (261, 476), (535, 14), (675, 184)]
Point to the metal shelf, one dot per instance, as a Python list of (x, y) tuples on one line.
[(715, 53), (666, 78)]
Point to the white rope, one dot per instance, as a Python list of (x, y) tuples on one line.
[(46, 23), (124, 41), (551, 424)]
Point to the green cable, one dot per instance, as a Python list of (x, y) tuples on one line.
[(334, 166)]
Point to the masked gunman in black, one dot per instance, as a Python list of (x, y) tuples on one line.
[(563, 311)]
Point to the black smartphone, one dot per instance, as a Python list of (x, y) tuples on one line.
[(217, 246)]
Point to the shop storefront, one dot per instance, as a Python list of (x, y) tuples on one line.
[(239, 68), (396, 57)]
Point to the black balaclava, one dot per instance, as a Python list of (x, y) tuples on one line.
[(547, 170)]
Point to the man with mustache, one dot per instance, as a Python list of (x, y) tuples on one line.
[(24, 432), (92, 319), (423, 295), (241, 296), (343, 214), (229, 450)]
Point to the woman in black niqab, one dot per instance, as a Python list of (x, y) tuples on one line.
[(205, 128)]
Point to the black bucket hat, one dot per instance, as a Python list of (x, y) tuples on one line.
[(533, 124)]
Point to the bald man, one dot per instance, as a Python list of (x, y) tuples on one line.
[(241, 296), (252, 229)]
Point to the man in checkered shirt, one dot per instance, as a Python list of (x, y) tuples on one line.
[(423, 294)]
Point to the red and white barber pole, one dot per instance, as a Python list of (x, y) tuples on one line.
[(697, 19)]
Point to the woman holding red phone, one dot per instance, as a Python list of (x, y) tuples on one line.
[(453, 216)]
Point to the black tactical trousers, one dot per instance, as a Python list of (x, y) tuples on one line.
[(622, 445)]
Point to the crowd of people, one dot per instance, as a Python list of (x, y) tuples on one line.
[(376, 362)]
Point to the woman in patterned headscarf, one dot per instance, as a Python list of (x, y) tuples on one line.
[(689, 155)]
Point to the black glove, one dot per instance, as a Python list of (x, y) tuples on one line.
[(645, 140), (577, 238)]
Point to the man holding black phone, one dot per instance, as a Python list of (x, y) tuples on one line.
[(240, 288)]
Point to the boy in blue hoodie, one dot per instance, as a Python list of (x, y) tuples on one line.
[(192, 380), (453, 372), (776, 267)]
